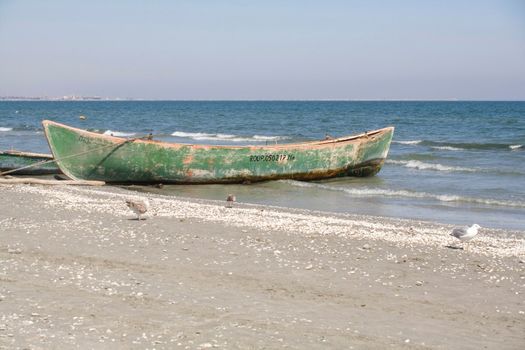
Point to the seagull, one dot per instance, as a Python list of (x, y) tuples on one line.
[(229, 201), (138, 206), (465, 234)]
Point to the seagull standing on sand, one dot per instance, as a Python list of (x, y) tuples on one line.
[(230, 200), (138, 206), (465, 234)]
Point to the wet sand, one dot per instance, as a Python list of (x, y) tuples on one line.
[(77, 271)]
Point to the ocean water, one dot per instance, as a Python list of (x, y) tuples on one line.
[(452, 162)]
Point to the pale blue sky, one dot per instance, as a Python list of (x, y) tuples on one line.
[(264, 49)]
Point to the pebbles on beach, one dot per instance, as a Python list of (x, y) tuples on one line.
[(300, 221), (273, 277)]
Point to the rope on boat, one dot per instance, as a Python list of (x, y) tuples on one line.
[(70, 156)]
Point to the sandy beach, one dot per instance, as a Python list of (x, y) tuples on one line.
[(79, 271)]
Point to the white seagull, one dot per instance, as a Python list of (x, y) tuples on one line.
[(465, 234), (138, 206)]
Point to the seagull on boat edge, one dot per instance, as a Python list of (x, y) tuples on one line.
[(138, 206)]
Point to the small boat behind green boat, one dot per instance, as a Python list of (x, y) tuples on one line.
[(28, 163), (84, 155)]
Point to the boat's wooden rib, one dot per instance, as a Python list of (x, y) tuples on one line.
[(84, 155)]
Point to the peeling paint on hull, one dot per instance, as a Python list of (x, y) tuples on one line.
[(84, 155)]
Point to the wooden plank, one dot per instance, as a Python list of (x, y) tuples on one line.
[(30, 180), (26, 163)]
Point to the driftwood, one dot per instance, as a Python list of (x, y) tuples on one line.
[(29, 180)]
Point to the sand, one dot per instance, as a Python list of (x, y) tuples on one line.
[(78, 271)]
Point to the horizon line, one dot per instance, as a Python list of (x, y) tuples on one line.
[(117, 99)]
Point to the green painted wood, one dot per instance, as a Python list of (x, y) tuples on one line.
[(85, 155), (10, 160)]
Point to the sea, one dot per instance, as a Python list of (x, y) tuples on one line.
[(454, 162)]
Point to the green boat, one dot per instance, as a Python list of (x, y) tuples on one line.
[(84, 155), (28, 163)]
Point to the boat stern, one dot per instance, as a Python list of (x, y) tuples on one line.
[(372, 153)]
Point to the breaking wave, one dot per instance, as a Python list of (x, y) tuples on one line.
[(200, 136), (468, 146), (118, 133), (21, 130), (378, 192), (416, 164), (447, 148), (459, 146), (409, 142)]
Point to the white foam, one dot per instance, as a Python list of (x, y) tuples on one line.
[(266, 138), (447, 148), (380, 192), (514, 147), (118, 133), (3, 129), (416, 164), (218, 137), (409, 142), (225, 136), (193, 134), (200, 136)]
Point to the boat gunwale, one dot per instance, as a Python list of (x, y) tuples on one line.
[(118, 140)]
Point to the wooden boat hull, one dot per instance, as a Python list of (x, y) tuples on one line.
[(84, 155), (10, 160)]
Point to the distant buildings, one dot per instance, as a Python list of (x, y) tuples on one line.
[(62, 98)]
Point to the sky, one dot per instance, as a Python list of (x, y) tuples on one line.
[(264, 50)]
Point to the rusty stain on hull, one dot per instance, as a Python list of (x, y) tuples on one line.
[(85, 155)]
